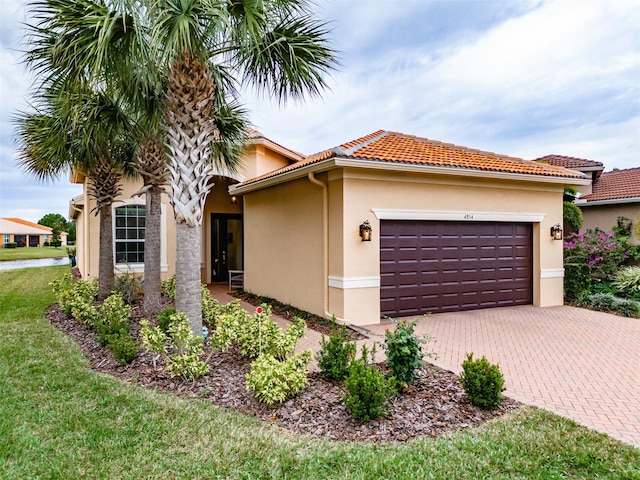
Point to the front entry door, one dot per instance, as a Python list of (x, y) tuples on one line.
[(226, 245)]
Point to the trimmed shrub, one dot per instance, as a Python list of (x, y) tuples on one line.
[(404, 353), (336, 354), (572, 216), (113, 318), (368, 391), (124, 347), (577, 281), (257, 334), (11, 245), (273, 380), (181, 350), (483, 382), (70, 293)]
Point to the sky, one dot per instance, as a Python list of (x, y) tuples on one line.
[(524, 78)]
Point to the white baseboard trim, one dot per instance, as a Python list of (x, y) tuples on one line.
[(552, 273), (344, 283)]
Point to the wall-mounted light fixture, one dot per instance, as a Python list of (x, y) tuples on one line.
[(365, 231), (234, 200), (556, 232)]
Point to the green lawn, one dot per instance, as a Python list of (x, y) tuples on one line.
[(29, 253), (58, 419)]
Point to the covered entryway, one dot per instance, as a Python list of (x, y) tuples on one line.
[(446, 266), (226, 245)]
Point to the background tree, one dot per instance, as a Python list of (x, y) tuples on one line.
[(58, 224)]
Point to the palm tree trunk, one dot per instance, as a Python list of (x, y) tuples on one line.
[(152, 240), (188, 294), (106, 276)]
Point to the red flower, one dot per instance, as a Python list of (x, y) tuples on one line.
[(259, 310)]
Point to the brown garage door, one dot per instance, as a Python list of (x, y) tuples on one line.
[(439, 266)]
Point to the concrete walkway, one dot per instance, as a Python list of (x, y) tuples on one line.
[(576, 363)]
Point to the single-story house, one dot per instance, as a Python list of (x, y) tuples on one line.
[(388, 224), (615, 194), (608, 196), (26, 234)]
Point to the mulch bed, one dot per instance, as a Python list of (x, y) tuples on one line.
[(437, 405)]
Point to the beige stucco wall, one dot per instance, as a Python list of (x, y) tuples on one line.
[(368, 191), (283, 244), (604, 216), (257, 160), (283, 233)]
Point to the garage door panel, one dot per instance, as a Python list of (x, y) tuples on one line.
[(454, 266)]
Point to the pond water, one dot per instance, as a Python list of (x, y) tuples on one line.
[(38, 262)]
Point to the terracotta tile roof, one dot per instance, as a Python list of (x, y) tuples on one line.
[(617, 184), (400, 148), (568, 162), (28, 223)]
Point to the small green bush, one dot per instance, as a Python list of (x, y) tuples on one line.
[(404, 353), (11, 245), (164, 318), (181, 350), (336, 354), (168, 287), (123, 346), (70, 293), (577, 281), (628, 281), (367, 390), (273, 380), (257, 334), (113, 318), (483, 382)]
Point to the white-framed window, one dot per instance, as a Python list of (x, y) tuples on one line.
[(7, 238), (129, 221)]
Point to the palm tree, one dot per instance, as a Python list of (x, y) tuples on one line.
[(204, 47), (67, 30), (276, 45), (85, 131)]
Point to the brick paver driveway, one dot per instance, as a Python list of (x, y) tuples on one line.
[(577, 363)]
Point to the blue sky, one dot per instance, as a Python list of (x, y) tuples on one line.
[(522, 78)]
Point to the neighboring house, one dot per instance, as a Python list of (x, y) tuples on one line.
[(26, 234), (615, 194), (452, 228), (590, 168), (608, 196)]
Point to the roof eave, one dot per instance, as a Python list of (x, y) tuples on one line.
[(276, 148), (399, 167), (609, 201)]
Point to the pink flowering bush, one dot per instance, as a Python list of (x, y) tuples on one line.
[(603, 252)]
